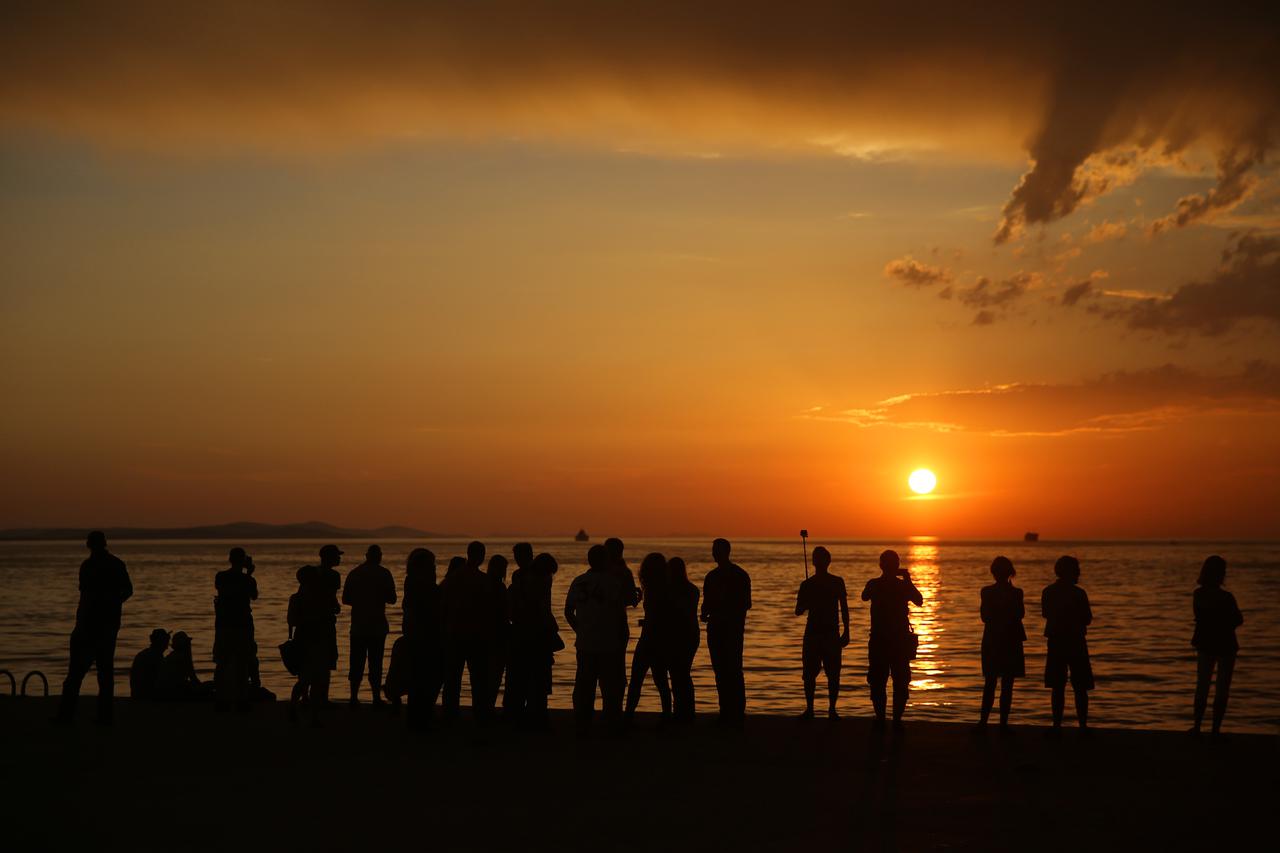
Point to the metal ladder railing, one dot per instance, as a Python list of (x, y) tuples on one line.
[(13, 682)]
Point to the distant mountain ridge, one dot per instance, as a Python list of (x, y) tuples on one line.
[(242, 530)]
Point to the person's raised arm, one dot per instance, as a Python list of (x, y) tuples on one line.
[(914, 595)]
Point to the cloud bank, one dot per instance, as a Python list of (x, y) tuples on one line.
[(1124, 401), (1090, 95)]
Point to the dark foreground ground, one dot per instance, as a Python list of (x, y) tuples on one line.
[(181, 778)]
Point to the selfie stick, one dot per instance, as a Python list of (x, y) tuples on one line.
[(804, 544)]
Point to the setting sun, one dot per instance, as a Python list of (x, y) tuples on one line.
[(922, 481)]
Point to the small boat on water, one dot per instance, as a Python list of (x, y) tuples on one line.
[(581, 536), (1031, 537)]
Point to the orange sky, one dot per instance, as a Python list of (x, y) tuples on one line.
[(485, 271)]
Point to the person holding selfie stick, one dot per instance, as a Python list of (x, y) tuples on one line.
[(820, 596), (892, 643)]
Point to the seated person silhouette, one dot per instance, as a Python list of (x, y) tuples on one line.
[(1067, 615), (824, 599), (145, 671), (178, 681)]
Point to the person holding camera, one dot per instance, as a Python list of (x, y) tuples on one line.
[(892, 644), (234, 650)]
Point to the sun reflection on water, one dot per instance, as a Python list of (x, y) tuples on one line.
[(922, 562)]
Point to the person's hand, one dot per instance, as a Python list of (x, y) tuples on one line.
[(248, 566)]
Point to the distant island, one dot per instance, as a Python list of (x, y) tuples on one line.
[(241, 530)]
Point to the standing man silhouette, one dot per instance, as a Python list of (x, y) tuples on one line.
[(892, 644), (466, 597), (233, 645), (314, 611), (104, 588), (368, 590), (819, 597), (726, 598), (1067, 615), (596, 610)]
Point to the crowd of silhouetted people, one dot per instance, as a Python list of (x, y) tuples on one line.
[(504, 634)]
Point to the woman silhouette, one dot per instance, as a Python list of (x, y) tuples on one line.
[(1217, 618), (651, 650), (1002, 637)]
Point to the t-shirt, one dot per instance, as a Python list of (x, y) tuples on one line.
[(466, 598), (598, 601), (145, 672), (1002, 611), (1217, 617), (104, 587), (1065, 607), (821, 596), (317, 597), (889, 596), (235, 590), (368, 589), (726, 594)]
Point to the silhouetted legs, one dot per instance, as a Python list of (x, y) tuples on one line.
[(424, 685), (609, 671), (878, 679), (233, 653), (724, 642), (96, 648), (989, 698), (647, 658), (473, 654), (1058, 703), (370, 645), (1226, 665), (821, 654), (683, 702)]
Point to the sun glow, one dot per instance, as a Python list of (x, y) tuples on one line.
[(922, 481)]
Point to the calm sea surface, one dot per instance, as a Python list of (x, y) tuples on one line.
[(1140, 638)]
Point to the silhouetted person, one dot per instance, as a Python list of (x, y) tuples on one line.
[(1065, 608), (596, 609), (1217, 618), (824, 599), (145, 671), (684, 639), (104, 588), (368, 589), (178, 681), (500, 638), (234, 650), (535, 640), (654, 645), (314, 612), (1002, 638), (467, 599), (726, 598), (513, 691), (892, 644), (618, 564), (424, 635)]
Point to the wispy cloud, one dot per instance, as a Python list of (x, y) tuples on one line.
[(1120, 402)]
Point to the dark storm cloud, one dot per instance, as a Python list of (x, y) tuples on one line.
[(1089, 93), (1246, 287)]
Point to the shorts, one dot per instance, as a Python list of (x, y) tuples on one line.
[(1068, 655), (821, 653)]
